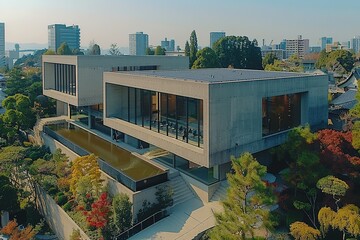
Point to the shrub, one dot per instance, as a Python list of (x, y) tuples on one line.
[(75, 235), (52, 190), (61, 200), (69, 205)]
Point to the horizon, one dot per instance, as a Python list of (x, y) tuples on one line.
[(272, 21)]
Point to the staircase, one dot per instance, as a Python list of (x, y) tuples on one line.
[(220, 193), (181, 190)]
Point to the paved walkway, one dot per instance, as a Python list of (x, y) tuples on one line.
[(185, 222)]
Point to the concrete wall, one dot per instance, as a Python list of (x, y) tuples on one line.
[(236, 113), (58, 220), (89, 73)]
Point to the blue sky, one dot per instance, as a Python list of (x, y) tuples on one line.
[(110, 21)]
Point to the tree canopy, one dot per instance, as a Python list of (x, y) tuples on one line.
[(243, 206), (206, 58), (94, 49), (159, 51), (238, 52), (114, 50), (193, 48), (149, 51), (269, 59), (64, 49), (329, 60)]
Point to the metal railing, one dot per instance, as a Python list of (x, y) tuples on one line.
[(134, 185), (147, 222)]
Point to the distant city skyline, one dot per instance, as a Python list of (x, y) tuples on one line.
[(109, 21)]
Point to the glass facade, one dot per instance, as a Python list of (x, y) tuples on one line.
[(280, 113), (202, 174), (65, 78), (172, 115), (79, 114)]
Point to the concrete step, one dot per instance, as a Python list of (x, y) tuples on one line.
[(181, 190)]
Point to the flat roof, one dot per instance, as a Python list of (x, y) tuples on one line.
[(217, 75)]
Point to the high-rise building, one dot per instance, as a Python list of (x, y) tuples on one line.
[(324, 41), (138, 42), (59, 33), (355, 44), (297, 46), (168, 45), (214, 36), (2, 44)]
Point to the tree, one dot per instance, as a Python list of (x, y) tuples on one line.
[(149, 51), (17, 82), (50, 52), (19, 113), (193, 48), (269, 59), (94, 49), (88, 167), (98, 216), (206, 58), (77, 51), (337, 152), (322, 61), (159, 51), (302, 231), (293, 64), (187, 49), (238, 52), (64, 49), (243, 206), (121, 213), (333, 186), (8, 195), (344, 57), (114, 50), (13, 231)]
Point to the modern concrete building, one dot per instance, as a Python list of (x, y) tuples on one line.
[(60, 33), (2, 44), (203, 117), (297, 46), (214, 36), (138, 42), (76, 81), (168, 45)]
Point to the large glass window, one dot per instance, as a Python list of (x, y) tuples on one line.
[(280, 113), (79, 114), (65, 78), (175, 116)]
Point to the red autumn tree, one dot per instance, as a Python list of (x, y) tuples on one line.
[(338, 153), (98, 215)]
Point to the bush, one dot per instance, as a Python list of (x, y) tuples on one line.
[(61, 200), (27, 144), (69, 205), (52, 190), (75, 235)]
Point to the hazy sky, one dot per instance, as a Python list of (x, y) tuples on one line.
[(111, 21)]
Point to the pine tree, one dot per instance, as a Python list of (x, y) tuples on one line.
[(244, 204), (187, 49), (193, 48)]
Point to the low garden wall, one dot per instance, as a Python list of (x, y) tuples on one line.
[(58, 220)]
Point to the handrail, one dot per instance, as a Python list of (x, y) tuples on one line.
[(140, 223)]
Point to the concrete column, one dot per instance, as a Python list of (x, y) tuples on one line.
[(89, 117), (4, 218), (216, 172)]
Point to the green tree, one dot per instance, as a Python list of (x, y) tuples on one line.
[(187, 49), (322, 60), (193, 48), (8, 195), (121, 213), (333, 186), (243, 206), (149, 51), (50, 52), (269, 59), (206, 58), (19, 113), (64, 49), (344, 57), (159, 51), (238, 52), (17, 82), (355, 116), (114, 50), (77, 51), (94, 49)]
